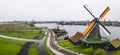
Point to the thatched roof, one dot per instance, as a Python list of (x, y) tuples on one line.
[(76, 37), (115, 43)]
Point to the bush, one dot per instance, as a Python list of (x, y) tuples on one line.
[(88, 50), (99, 52), (117, 52)]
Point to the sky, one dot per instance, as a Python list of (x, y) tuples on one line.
[(56, 10)]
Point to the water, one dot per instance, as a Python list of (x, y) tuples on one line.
[(41, 47), (72, 29)]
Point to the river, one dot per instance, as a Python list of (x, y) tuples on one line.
[(72, 29)]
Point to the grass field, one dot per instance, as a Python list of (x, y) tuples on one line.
[(33, 49), (85, 50), (12, 47), (66, 43), (16, 27), (75, 47), (19, 30), (19, 34)]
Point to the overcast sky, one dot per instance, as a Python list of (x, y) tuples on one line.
[(66, 10)]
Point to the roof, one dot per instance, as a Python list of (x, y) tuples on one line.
[(76, 37), (115, 42)]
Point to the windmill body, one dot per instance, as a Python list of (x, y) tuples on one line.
[(92, 32), (91, 35), (95, 34)]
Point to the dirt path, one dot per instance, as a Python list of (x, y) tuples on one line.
[(58, 48), (22, 39)]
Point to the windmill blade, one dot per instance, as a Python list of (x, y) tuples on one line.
[(88, 28), (104, 28), (88, 9), (105, 12)]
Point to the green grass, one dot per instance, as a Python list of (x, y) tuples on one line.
[(11, 41), (79, 49), (23, 34), (65, 43), (7, 49), (33, 49), (18, 30), (99, 52), (16, 27), (41, 35), (117, 52), (10, 47), (20, 34)]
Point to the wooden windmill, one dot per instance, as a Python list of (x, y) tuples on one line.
[(92, 32)]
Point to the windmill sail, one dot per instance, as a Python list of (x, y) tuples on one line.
[(97, 22), (104, 28), (88, 9), (88, 28), (105, 12)]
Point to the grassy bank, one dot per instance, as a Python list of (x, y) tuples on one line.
[(75, 47), (16, 27), (10, 47), (19, 30), (85, 50), (33, 49), (19, 33)]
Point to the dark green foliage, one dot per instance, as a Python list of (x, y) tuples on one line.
[(99, 52)]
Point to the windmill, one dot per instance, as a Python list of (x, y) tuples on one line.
[(92, 32)]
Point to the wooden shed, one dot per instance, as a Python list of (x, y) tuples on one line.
[(115, 43), (76, 37)]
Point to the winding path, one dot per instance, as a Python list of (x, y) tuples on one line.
[(22, 39), (53, 45)]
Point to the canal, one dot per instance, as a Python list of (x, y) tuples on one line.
[(72, 29)]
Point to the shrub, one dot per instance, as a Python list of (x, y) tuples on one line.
[(88, 50), (99, 52), (117, 52)]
